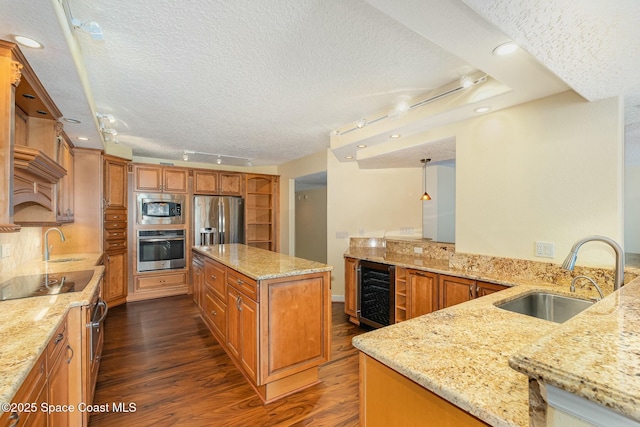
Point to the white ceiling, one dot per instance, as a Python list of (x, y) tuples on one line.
[(271, 80)]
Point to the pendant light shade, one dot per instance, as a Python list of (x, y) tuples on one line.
[(426, 195)]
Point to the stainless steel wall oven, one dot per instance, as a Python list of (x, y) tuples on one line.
[(376, 294), (161, 249)]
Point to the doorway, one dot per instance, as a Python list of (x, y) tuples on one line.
[(311, 217)]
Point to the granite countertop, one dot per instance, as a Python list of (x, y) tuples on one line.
[(27, 324), (463, 354), (260, 264), (593, 355)]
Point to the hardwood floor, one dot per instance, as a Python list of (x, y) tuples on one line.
[(160, 356)]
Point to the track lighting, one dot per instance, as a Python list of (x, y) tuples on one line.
[(466, 82), (220, 158)]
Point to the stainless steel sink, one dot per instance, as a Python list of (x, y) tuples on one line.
[(547, 306)]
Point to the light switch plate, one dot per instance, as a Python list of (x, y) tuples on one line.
[(545, 249)]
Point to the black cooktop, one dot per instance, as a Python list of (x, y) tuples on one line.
[(44, 284)]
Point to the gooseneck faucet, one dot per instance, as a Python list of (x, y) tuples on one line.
[(570, 262), (572, 288), (47, 248)]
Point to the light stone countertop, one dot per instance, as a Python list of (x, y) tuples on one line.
[(27, 324), (595, 355), (260, 264), (463, 353)]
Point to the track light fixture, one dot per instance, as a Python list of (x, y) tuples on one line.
[(92, 28), (220, 158)]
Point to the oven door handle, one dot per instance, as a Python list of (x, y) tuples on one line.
[(160, 240), (94, 323)]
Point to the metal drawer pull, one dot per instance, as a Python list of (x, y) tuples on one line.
[(72, 353), (59, 338), (15, 419)]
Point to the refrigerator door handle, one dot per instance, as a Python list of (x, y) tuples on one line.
[(221, 221)]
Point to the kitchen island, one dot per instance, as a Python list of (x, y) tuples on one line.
[(462, 355), (269, 311)]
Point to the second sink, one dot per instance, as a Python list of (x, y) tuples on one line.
[(547, 306)]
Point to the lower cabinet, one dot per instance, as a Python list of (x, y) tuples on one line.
[(422, 292), (197, 280), (276, 331), (115, 277), (418, 292), (242, 331), (159, 284)]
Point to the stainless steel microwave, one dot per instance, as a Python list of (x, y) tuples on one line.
[(158, 208)]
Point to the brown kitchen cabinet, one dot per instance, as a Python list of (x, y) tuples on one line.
[(65, 203), (210, 182), (161, 283), (215, 303), (262, 198), (242, 331), (486, 288), (197, 279), (455, 290), (115, 222), (422, 292), (60, 354), (351, 289), (158, 179), (33, 389), (401, 294)]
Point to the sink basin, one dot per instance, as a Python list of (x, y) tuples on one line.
[(65, 260), (547, 306)]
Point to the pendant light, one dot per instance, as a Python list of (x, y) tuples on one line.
[(426, 195)]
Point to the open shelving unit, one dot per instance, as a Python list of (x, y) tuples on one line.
[(401, 294), (261, 215)]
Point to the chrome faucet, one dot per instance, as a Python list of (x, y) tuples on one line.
[(47, 248), (570, 262), (572, 288)]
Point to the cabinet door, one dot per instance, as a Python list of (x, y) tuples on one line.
[(214, 278), (455, 290), (215, 313), (350, 283), (205, 182), (242, 331), (115, 183), (148, 178), (231, 184), (115, 278), (197, 272), (64, 207), (422, 293), (485, 288), (59, 386), (174, 180)]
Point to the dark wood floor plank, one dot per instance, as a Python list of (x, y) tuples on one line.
[(160, 355)]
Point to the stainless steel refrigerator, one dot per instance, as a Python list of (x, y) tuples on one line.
[(218, 220)]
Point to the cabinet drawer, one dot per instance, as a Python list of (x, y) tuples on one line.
[(115, 225), (115, 234), (214, 277), (158, 282), (215, 312), (116, 216), (32, 390), (245, 284), (115, 245), (57, 343)]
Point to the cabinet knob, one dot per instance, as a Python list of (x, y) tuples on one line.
[(214, 277), (214, 312), (59, 338)]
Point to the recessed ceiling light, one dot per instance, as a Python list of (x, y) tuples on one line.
[(362, 146), (28, 42), (505, 49), (395, 135), (83, 138), (70, 120), (348, 157), (481, 110)]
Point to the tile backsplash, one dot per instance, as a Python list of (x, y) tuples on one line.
[(24, 246)]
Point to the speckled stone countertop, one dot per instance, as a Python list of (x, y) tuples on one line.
[(593, 355), (463, 353), (260, 264), (27, 324)]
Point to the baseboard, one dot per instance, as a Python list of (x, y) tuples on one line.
[(337, 298)]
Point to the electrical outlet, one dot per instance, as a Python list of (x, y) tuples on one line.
[(5, 251), (417, 250), (545, 249)]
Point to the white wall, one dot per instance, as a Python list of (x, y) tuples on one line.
[(632, 192), (549, 170), (311, 224), (368, 202)]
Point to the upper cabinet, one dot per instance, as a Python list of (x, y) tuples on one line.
[(38, 189), (159, 179), (115, 183), (217, 183)]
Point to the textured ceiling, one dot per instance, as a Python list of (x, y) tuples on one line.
[(271, 80)]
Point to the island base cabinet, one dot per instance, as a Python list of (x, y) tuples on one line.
[(389, 399)]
